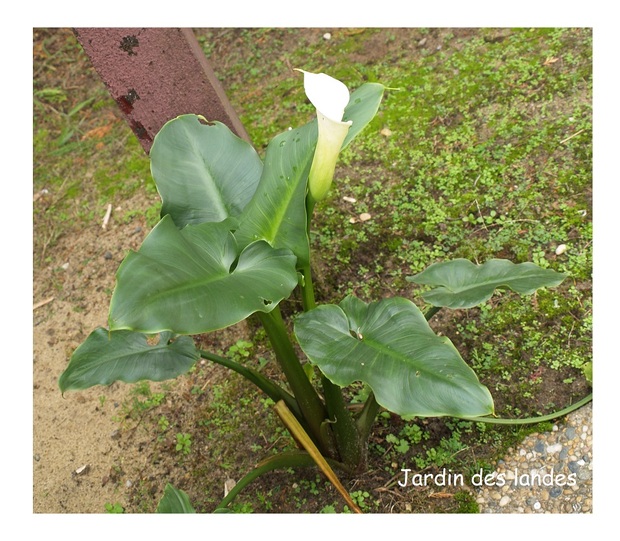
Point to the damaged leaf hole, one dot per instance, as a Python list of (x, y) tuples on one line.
[(156, 340), (153, 339), (356, 334)]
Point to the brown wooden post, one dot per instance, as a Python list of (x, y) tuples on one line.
[(156, 74)]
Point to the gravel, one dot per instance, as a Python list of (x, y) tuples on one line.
[(546, 473)]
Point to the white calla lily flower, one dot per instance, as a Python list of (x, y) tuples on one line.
[(330, 97)]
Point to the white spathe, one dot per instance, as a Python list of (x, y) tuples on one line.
[(330, 97)]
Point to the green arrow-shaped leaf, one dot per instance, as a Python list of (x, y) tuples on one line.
[(277, 212), (362, 108), (174, 500), (462, 284), (190, 281), (203, 172), (390, 346), (109, 356)]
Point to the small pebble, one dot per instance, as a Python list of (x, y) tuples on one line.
[(82, 470), (229, 484), (584, 475), (555, 448), (539, 447), (555, 492)]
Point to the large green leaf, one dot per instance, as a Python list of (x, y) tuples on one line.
[(203, 172), (189, 280), (362, 108), (109, 356), (277, 212), (462, 284), (389, 345), (174, 500)]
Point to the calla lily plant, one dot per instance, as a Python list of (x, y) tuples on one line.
[(233, 242)]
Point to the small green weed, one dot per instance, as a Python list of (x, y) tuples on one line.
[(240, 350), (364, 501), (143, 399), (242, 507), (184, 443), (163, 423), (466, 503), (114, 508)]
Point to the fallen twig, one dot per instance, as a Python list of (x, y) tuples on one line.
[(570, 137), (42, 303), (106, 218)]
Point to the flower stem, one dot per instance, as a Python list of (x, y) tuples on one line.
[(531, 420), (307, 289), (273, 391), (282, 461), (306, 396), (344, 427), (341, 422)]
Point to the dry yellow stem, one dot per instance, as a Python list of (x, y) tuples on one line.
[(302, 437)]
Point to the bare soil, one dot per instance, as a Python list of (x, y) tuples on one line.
[(78, 430)]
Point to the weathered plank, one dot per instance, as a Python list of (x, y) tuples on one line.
[(156, 74)]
